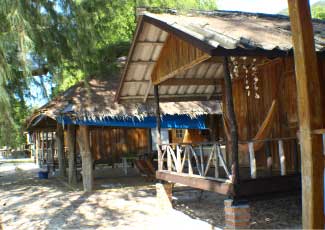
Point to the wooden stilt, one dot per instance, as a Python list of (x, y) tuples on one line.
[(233, 124), (310, 114), (158, 127), (86, 158), (37, 148), (52, 151), (72, 169), (60, 149)]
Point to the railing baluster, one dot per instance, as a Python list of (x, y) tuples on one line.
[(160, 159), (190, 169), (252, 159), (269, 160), (196, 161), (201, 158), (178, 159), (282, 158), (169, 159), (216, 161), (209, 161), (222, 161), (184, 158)]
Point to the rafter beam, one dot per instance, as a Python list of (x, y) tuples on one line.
[(192, 81), (176, 56)]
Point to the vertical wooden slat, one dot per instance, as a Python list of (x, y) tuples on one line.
[(252, 159), (282, 158), (310, 114)]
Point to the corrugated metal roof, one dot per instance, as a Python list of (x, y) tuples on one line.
[(216, 33)]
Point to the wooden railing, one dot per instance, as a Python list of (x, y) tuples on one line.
[(209, 160), (194, 159)]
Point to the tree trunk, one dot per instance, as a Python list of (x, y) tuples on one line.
[(233, 124), (86, 157), (71, 138), (60, 149)]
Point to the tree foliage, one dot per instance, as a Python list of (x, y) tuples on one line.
[(70, 39)]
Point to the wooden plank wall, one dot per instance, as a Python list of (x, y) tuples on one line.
[(276, 80), (110, 144)]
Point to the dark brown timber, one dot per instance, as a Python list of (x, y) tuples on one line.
[(233, 125), (310, 114)]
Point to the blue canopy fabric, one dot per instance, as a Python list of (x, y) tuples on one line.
[(167, 121)]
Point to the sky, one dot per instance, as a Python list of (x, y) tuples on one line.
[(261, 6)]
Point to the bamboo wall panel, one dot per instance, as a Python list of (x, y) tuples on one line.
[(177, 55), (110, 144), (276, 81)]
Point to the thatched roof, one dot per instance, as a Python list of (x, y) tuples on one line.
[(96, 101)]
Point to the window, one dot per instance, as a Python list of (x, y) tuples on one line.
[(179, 133)]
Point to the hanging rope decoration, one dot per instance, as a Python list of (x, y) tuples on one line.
[(247, 68)]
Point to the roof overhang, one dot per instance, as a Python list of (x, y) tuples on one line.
[(200, 78)]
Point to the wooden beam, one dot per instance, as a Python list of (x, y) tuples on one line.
[(233, 125), (158, 128), (176, 56), (60, 148), (142, 62), (195, 182), (192, 81), (310, 114), (86, 157), (150, 43), (147, 92), (72, 169), (269, 186)]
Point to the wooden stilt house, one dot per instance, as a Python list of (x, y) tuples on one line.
[(243, 61), (87, 121)]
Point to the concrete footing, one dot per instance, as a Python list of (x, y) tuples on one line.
[(237, 216), (164, 195)]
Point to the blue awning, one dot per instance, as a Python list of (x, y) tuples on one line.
[(167, 121)]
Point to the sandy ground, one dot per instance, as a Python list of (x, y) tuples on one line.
[(27, 202)]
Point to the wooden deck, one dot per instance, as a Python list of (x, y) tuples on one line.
[(246, 188)]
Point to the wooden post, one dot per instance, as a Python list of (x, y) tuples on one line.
[(47, 147), (60, 149), (233, 124), (72, 169), (53, 151), (149, 142), (37, 147), (310, 114), (42, 146), (86, 158), (158, 127)]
